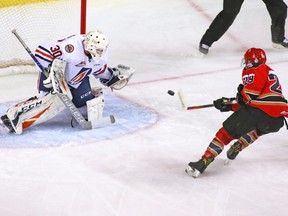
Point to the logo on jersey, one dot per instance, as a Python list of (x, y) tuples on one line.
[(81, 64), (69, 48), (86, 94), (84, 72)]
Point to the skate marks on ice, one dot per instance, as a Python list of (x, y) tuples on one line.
[(129, 116)]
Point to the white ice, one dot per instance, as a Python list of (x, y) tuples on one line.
[(141, 173)]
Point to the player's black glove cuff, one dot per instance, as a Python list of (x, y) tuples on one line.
[(239, 97), (223, 104)]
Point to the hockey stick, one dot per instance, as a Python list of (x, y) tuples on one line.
[(183, 103), (87, 125), (28, 50), (200, 106)]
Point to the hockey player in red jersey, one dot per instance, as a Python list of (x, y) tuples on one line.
[(260, 109), (73, 61)]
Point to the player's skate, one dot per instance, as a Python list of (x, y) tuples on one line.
[(195, 168), (5, 125), (234, 150)]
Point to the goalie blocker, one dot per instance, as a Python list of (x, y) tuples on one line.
[(37, 110)]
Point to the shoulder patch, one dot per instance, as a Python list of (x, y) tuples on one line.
[(69, 48)]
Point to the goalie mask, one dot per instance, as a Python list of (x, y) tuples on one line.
[(254, 56), (95, 44)]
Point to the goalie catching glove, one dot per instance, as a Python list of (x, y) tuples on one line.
[(120, 77)]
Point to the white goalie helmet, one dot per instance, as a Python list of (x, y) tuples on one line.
[(96, 44)]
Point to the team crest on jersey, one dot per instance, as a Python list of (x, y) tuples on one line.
[(69, 48), (80, 76)]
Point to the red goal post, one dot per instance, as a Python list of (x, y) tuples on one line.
[(83, 16), (36, 21)]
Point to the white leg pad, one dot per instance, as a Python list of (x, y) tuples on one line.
[(95, 110), (33, 112)]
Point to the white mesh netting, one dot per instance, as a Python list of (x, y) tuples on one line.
[(35, 23)]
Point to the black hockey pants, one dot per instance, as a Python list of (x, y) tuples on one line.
[(277, 10), (248, 118)]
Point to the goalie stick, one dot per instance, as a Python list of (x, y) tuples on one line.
[(87, 125), (183, 102)]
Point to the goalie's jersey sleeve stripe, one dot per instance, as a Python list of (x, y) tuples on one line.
[(44, 59), (100, 71), (44, 54), (103, 70)]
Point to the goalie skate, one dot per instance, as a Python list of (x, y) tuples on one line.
[(5, 126), (3, 129)]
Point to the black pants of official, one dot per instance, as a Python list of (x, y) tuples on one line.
[(277, 10), (248, 118)]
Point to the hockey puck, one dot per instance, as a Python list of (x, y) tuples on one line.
[(170, 92)]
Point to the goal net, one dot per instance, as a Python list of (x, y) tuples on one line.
[(35, 21)]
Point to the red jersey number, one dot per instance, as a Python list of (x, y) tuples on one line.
[(248, 79), (275, 86)]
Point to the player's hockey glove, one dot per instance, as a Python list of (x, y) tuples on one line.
[(239, 97), (223, 104)]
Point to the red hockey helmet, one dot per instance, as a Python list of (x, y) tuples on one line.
[(255, 55)]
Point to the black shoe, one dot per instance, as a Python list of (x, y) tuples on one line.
[(234, 150), (203, 48), (195, 168), (279, 45)]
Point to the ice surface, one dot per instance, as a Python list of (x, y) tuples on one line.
[(141, 173)]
